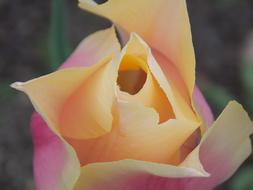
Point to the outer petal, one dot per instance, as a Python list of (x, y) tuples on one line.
[(133, 175), (55, 163), (93, 49), (225, 146), (202, 107), (163, 24), (69, 100)]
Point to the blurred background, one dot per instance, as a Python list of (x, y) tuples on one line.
[(36, 36)]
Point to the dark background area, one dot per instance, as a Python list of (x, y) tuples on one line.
[(222, 36)]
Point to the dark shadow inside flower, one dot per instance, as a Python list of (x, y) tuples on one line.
[(131, 80), (100, 1)]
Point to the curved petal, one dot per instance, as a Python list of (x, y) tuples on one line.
[(93, 49), (224, 146), (133, 175), (202, 108), (55, 163), (163, 24), (69, 100)]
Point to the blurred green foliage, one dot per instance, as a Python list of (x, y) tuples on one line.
[(59, 47), (247, 82), (5, 91), (6, 94), (226, 3), (243, 179), (216, 95)]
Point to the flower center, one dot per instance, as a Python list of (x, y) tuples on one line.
[(131, 76)]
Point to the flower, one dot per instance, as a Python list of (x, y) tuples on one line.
[(132, 118)]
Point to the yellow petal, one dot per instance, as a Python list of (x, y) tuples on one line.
[(163, 24)]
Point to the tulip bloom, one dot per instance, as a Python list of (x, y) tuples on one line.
[(132, 118)]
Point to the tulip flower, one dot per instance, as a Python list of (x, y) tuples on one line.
[(132, 118)]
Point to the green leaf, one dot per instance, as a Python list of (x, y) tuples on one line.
[(59, 48)]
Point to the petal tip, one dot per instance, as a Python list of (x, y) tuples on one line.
[(17, 86)]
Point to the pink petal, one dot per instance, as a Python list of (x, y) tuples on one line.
[(52, 159), (224, 147), (202, 107), (94, 48)]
